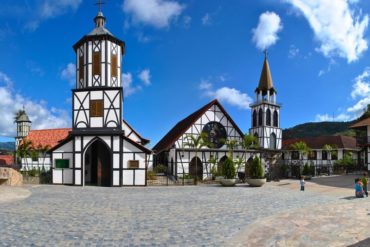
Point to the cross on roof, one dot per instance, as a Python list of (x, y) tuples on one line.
[(99, 3)]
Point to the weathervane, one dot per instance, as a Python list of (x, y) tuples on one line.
[(99, 3)]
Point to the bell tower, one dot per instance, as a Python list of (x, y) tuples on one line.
[(97, 98), (266, 112), (23, 126)]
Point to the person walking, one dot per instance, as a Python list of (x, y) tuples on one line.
[(302, 182), (365, 182)]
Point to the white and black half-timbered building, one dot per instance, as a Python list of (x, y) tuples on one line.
[(101, 148)]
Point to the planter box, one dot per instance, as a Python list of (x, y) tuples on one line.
[(256, 182), (228, 182)]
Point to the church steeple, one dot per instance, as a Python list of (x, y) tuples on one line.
[(265, 83)]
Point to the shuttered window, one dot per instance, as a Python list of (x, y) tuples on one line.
[(96, 63), (114, 66), (96, 108)]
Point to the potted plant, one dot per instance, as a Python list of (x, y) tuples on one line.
[(256, 173), (188, 179), (229, 172)]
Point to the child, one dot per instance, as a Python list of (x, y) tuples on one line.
[(302, 183), (365, 181), (358, 188)]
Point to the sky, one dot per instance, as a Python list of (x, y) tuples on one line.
[(181, 54)]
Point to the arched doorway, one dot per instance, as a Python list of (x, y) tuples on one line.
[(98, 164), (196, 168), (220, 164)]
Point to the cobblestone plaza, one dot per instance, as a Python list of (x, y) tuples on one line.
[(153, 216)]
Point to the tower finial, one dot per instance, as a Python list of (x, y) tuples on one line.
[(266, 53), (99, 3)]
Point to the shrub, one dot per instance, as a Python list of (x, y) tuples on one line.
[(160, 169), (306, 170), (33, 173), (256, 169), (151, 175), (229, 170), (187, 176)]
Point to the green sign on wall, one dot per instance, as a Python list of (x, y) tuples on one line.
[(61, 163)]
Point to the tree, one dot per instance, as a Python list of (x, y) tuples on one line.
[(249, 142), (329, 150), (24, 150), (18, 114), (43, 150), (196, 142), (302, 149)]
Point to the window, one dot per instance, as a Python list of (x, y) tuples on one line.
[(260, 113), (254, 118), (133, 164), (276, 119), (114, 66), (96, 108), (268, 117), (312, 155), (61, 163), (273, 141), (334, 155), (324, 155), (96, 63), (81, 68), (295, 155)]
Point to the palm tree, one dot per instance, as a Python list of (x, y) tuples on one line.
[(196, 142), (24, 150), (329, 150), (43, 150), (18, 114), (231, 145), (302, 149)]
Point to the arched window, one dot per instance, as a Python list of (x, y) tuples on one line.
[(273, 141), (254, 118), (276, 119), (268, 117), (260, 115)]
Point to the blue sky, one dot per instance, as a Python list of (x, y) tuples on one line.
[(182, 54)]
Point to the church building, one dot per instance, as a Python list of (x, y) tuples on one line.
[(212, 119), (101, 148)]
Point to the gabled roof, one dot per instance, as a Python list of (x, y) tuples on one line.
[(143, 140), (180, 128), (361, 123), (138, 145), (47, 137), (346, 142), (265, 82)]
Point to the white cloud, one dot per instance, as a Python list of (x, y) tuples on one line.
[(265, 34), (144, 76), (48, 9), (231, 96), (69, 73), (205, 85), (156, 13), (361, 87), (206, 19), (128, 88), (293, 51), (338, 118), (38, 112), (336, 26)]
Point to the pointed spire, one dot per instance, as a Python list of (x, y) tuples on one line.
[(99, 18), (265, 82)]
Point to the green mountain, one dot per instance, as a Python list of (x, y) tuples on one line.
[(318, 129), (7, 146)]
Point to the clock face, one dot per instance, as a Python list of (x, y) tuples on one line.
[(216, 134)]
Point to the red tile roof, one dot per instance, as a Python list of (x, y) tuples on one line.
[(318, 142), (176, 132), (6, 159), (47, 137)]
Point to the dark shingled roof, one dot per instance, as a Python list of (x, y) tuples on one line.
[(346, 142), (176, 132)]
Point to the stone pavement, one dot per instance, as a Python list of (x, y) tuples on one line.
[(182, 216)]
